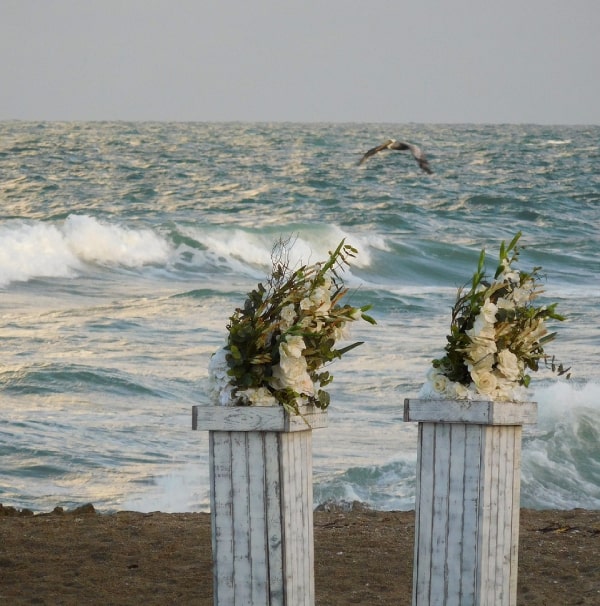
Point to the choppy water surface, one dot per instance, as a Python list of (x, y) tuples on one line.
[(124, 248)]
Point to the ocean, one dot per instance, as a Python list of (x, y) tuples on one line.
[(125, 247)]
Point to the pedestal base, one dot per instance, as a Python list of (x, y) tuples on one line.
[(467, 505), (261, 504)]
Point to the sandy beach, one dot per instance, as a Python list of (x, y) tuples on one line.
[(361, 557)]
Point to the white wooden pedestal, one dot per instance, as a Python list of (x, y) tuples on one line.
[(261, 503), (467, 501)]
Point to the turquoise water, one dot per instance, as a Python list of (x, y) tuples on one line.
[(124, 248)]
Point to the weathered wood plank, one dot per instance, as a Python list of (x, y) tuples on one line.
[(288, 519), (456, 511), (256, 418), (516, 497), (490, 590), (241, 516), (439, 529), (502, 547), (273, 484), (423, 542), (257, 513), (418, 501), (471, 501), (298, 520), (222, 516), (470, 411), (484, 514), (307, 501), (307, 509)]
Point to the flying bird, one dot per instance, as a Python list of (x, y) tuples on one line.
[(415, 150)]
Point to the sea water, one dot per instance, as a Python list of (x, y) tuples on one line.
[(125, 247)]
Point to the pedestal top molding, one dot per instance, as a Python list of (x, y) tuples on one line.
[(478, 412), (256, 418)]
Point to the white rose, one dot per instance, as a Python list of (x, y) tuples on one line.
[(485, 362), (219, 388), (217, 365), (481, 327), (259, 396), (478, 326), (341, 332), (320, 299), (488, 310), (289, 365), (461, 391), (292, 373), (481, 352), (523, 294), (279, 379), (456, 391), (292, 369), (292, 347), (485, 382), (508, 365), (505, 304), (304, 385), (488, 334), (438, 381), (288, 315), (305, 304)]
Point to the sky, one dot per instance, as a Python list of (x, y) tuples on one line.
[(386, 61)]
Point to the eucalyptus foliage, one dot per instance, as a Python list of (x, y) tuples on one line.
[(280, 343), (497, 334)]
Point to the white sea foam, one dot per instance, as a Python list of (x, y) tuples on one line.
[(42, 249), (107, 243), (183, 489), (560, 458), (560, 466), (30, 250), (559, 400), (250, 251)]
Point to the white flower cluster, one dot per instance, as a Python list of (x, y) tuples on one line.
[(292, 369), (293, 330), (490, 359), (495, 373), (219, 388)]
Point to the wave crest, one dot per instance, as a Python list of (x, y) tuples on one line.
[(33, 249)]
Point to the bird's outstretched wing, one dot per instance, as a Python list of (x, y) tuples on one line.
[(374, 150), (419, 156), (415, 150)]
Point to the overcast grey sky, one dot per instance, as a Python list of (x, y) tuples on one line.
[(301, 60)]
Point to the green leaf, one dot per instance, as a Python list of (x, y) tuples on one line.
[(513, 242)]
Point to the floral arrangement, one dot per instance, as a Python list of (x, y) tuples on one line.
[(497, 335), (280, 341)]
